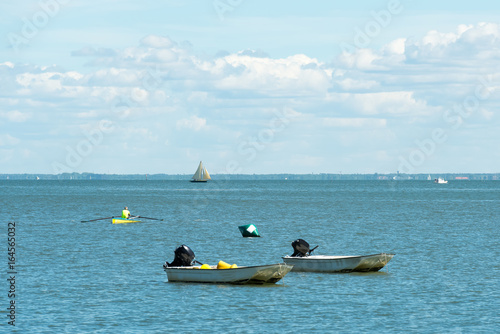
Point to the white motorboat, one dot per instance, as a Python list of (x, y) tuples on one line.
[(263, 274), (183, 270), (440, 180), (340, 264), (302, 260)]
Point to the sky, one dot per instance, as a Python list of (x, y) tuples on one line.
[(128, 87)]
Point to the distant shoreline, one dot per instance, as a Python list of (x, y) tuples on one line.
[(226, 177)]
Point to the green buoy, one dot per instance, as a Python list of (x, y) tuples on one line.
[(249, 231)]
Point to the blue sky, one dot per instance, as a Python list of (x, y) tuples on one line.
[(249, 86)]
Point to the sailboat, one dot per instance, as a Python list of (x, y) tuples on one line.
[(201, 174)]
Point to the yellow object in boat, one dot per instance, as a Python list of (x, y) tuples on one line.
[(223, 265), (234, 266), (205, 266)]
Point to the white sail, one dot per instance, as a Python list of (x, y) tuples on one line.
[(197, 174), (206, 176), (201, 174)]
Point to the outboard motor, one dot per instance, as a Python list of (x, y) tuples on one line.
[(184, 257), (301, 248)]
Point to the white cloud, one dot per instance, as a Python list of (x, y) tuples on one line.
[(45, 82), (354, 122), (396, 47), (8, 140), (388, 103), (471, 42), (164, 86), (467, 46), (163, 56), (8, 64), (363, 59), (92, 52), (194, 123), (158, 42), (352, 84), (382, 103), (114, 77), (296, 74), (142, 133), (15, 116)]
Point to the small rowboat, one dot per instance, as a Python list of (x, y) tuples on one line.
[(117, 220), (340, 264), (264, 274)]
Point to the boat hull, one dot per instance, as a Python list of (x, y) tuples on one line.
[(339, 264), (265, 274), (124, 221), (198, 180)]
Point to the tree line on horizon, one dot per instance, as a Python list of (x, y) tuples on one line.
[(222, 177)]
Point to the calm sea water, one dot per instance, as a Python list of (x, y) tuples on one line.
[(98, 277)]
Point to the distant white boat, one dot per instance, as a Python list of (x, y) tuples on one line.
[(201, 174), (440, 180), (429, 177)]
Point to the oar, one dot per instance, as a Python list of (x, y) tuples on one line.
[(93, 220), (149, 218)]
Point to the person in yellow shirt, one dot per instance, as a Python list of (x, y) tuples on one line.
[(125, 213)]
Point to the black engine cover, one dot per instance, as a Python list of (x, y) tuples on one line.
[(184, 257), (300, 248)]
